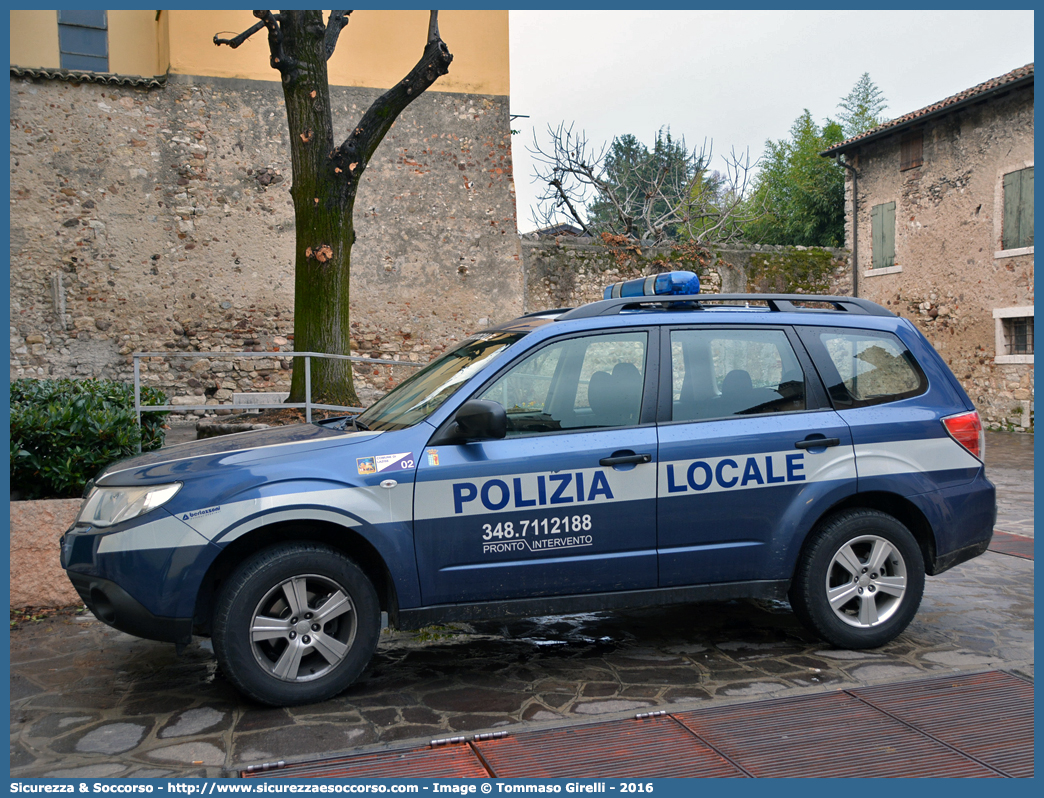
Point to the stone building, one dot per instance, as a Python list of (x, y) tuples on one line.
[(939, 218), (150, 206)]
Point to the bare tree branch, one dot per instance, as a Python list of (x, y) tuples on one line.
[(380, 116), (238, 40), (647, 197), (277, 58), (433, 28), (557, 185), (338, 20)]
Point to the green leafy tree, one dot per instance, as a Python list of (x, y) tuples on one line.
[(801, 193), (327, 174), (862, 108)]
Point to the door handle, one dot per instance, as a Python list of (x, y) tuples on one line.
[(626, 459), (817, 443)]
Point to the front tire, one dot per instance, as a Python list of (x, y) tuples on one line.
[(295, 624), (860, 580)]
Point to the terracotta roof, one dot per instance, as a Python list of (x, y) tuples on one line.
[(83, 76), (1007, 81)]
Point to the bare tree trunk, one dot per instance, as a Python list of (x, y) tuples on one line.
[(323, 201), (326, 180)]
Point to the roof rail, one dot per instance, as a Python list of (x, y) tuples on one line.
[(777, 303), (548, 312)]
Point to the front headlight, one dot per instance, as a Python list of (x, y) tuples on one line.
[(107, 506)]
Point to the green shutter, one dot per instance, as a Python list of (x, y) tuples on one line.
[(1018, 209), (876, 239), (1012, 209), (889, 234), (882, 235), (1026, 209)]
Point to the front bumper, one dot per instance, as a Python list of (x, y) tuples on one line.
[(134, 585), (113, 605)]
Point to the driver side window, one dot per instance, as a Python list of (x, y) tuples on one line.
[(590, 382)]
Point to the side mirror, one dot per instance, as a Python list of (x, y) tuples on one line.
[(479, 419)]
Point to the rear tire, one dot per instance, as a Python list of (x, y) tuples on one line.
[(295, 624), (860, 580)]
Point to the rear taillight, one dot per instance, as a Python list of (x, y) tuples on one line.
[(966, 429)]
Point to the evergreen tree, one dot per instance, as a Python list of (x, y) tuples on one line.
[(643, 184), (861, 108)]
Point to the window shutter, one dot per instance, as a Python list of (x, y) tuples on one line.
[(1026, 209), (911, 150), (876, 238), (1012, 209), (889, 234), (882, 235), (83, 40)]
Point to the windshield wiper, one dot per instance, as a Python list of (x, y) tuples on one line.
[(358, 424)]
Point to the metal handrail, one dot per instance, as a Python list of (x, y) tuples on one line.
[(308, 405)]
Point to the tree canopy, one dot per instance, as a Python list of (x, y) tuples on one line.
[(801, 193)]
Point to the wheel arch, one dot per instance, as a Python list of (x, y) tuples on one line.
[(899, 507), (341, 538)]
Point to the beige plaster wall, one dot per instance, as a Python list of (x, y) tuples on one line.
[(134, 43), (34, 39), (375, 50)]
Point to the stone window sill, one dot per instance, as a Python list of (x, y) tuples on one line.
[(1012, 253), (885, 270), (1013, 360)]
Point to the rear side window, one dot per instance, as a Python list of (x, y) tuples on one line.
[(863, 367)]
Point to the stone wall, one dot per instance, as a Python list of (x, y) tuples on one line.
[(159, 220), (949, 274), (566, 272)]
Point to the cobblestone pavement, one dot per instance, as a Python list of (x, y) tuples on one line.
[(87, 700), (1009, 466)]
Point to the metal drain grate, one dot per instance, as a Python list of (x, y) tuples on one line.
[(988, 716), (960, 726), (833, 735), (1015, 545), (654, 747), (452, 761)]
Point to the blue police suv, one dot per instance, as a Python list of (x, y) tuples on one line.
[(659, 446)]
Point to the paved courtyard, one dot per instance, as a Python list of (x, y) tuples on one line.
[(87, 700)]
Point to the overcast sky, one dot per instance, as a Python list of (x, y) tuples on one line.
[(738, 77)]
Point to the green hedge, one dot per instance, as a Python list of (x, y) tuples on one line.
[(63, 432)]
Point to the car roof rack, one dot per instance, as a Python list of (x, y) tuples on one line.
[(777, 303)]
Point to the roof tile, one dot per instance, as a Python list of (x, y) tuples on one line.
[(968, 94)]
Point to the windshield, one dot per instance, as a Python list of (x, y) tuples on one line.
[(422, 394)]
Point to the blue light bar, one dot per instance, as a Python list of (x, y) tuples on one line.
[(668, 283)]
